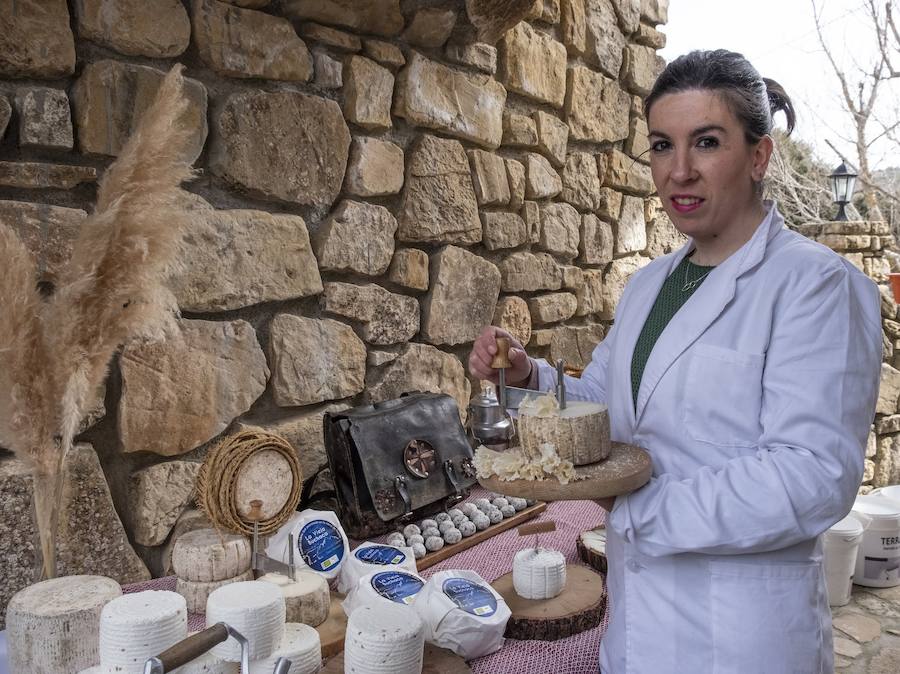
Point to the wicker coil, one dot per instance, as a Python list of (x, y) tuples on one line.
[(218, 476)]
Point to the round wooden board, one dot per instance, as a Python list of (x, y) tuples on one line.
[(625, 469), (435, 661), (331, 632), (579, 607)]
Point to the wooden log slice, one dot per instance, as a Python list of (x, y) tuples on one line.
[(579, 607), (627, 468), (434, 661), (332, 631)]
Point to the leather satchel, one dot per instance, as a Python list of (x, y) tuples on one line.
[(397, 460)]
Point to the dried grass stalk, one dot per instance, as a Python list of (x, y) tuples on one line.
[(56, 353), (493, 18)]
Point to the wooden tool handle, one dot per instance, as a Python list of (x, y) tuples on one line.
[(537, 528), (501, 358), (256, 513), (193, 647)]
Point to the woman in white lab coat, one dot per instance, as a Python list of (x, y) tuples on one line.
[(747, 363)]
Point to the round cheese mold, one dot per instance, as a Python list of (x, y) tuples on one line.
[(301, 645), (307, 598), (52, 626), (135, 627), (256, 610), (539, 573), (384, 639), (207, 556)]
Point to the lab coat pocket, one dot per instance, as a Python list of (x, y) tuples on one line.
[(722, 397), (765, 618)]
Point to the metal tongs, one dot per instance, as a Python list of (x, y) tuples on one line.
[(196, 645), (259, 561), (511, 397)]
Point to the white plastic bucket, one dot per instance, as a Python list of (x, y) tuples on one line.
[(891, 493), (878, 561), (841, 547)]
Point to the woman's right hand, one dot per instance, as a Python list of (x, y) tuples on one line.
[(484, 350)]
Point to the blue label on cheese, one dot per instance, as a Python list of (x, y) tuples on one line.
[(383, 555), (320, 545), (470, 597), (396, 586)]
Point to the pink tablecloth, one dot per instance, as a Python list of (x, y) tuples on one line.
[(492, 559)]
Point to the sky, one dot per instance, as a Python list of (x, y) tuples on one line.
[(779, 39)]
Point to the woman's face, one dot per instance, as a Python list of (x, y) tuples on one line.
[(702, 165)]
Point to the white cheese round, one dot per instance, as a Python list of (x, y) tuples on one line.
[(254, 609), (209, 664), (301, 645), (463, 613), (138, 626), (319, 540), (539, 573), (384, 639), (306, 597), (196, 593), (52, 626), (206, 556), (370, 557), (385, 586)]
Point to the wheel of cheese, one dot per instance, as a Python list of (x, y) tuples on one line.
[(384, 639), (539, 573), (255, 610), (209, 664), (138, 626), (382, 587), (580, 432), (370, 557), (197, 593), (206, 556), (307, 598), (301, 645), (267, 476), (52, 626)]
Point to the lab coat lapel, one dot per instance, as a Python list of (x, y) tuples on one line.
[(704, 306)]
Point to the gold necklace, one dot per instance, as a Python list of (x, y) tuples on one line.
[(690, 285)]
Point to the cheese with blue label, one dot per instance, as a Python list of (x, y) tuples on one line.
[(371, 557), (320, 543), (393, 586)]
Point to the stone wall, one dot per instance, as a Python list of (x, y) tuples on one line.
[(865, 244), (375, 186)]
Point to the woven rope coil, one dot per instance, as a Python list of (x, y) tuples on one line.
[(217, 480)]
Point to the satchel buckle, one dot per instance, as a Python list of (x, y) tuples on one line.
[(450, 472), (419, 458), (400, 485)]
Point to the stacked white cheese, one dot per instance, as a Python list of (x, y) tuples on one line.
[(256, 610), (384, 639), (135, 627), (205, 560), (539, 573), (52, 626)]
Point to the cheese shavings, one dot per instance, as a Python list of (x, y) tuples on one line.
[(514, 465)]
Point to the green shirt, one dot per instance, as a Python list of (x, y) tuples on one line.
[(675, 291)]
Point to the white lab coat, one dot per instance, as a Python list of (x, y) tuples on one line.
[(755, 406)]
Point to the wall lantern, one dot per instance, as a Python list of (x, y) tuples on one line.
[(843, 181)]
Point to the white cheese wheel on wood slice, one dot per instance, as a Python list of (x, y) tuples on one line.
[(301, 645), (196, 594), (384, 639), (138, 626), (591, 546), (52, 626), (539, 573), (264, 476), (206, 556), (254, 609), (580, 432), (307, 598)]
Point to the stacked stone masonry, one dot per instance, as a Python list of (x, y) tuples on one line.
[(375, 185)]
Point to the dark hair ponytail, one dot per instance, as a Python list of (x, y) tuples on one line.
[(753, 99)]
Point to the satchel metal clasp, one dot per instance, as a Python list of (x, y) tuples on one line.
[(450, 472)]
